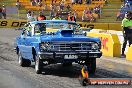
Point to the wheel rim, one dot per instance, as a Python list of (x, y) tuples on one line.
[(19, 59), (36, 65)]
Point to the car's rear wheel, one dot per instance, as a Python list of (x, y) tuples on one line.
[(91, 65), (23, 62), (38, 65)]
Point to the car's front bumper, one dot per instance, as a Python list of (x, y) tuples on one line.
[(61, 55)]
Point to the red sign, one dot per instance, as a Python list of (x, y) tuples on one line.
[(104, 43)]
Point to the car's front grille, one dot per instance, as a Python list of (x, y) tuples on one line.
[(71, 46)]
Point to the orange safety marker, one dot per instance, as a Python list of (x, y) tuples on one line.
[(84, 72), (84, 78)]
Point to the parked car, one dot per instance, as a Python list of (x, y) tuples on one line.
[(64, 43)]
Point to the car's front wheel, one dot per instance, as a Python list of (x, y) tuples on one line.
[(23, 62), (38, 65), (91, 65)]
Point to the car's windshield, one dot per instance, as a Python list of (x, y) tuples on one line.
[(61, 26), (41, 27)]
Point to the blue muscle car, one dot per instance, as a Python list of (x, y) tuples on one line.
[(56, 41)]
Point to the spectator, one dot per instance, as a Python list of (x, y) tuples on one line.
[(97, 10), (33, 3), (71, 17), (52, 6), (73, 2), (84, 17), (41, 16), (56, 17), (36, 1), (75, 14), (127, 31), (80, 1), (119, 16), (40, 4), (62, 5), (18, 4), (68, 7), (52, 14), (88, 1), (45, 7), (29, 13), (4, 11), (0, 13), (31, 17), (89, 14)]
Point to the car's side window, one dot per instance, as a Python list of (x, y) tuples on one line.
[(36, 29), (24, 32), (39, 28), (27, 30)]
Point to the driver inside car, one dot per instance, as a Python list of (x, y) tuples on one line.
[(36, 30), (39, 28)]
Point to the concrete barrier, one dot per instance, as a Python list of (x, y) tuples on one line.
[(110, 43), (129, 53)]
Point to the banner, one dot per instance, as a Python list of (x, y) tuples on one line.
[(103, 26), (12, 23)]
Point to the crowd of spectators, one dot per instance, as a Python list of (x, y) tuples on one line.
[(80, 1), (63, 9), (36, 3), (91, 14), (32, 17), (18, 4), (126, 6)]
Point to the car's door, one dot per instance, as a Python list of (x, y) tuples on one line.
[(26, 39)]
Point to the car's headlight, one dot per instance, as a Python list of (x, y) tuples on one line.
[(45, 46), (99, 43), (95, 46)]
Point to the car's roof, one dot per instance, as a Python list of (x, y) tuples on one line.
[(53, 21)]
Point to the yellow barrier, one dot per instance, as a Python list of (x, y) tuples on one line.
[(110, 43), (129, 53), (103, 26), (115, 26)]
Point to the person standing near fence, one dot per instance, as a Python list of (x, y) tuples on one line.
[(31, 17), (41, 16), (4, 11), (1, 13), (127, 31)]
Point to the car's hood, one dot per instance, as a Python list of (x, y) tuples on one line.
[(77, 38), (67, 35)]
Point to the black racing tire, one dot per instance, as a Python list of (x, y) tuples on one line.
[(91, 65), (23, 62), (65, 64), (38, 65)]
